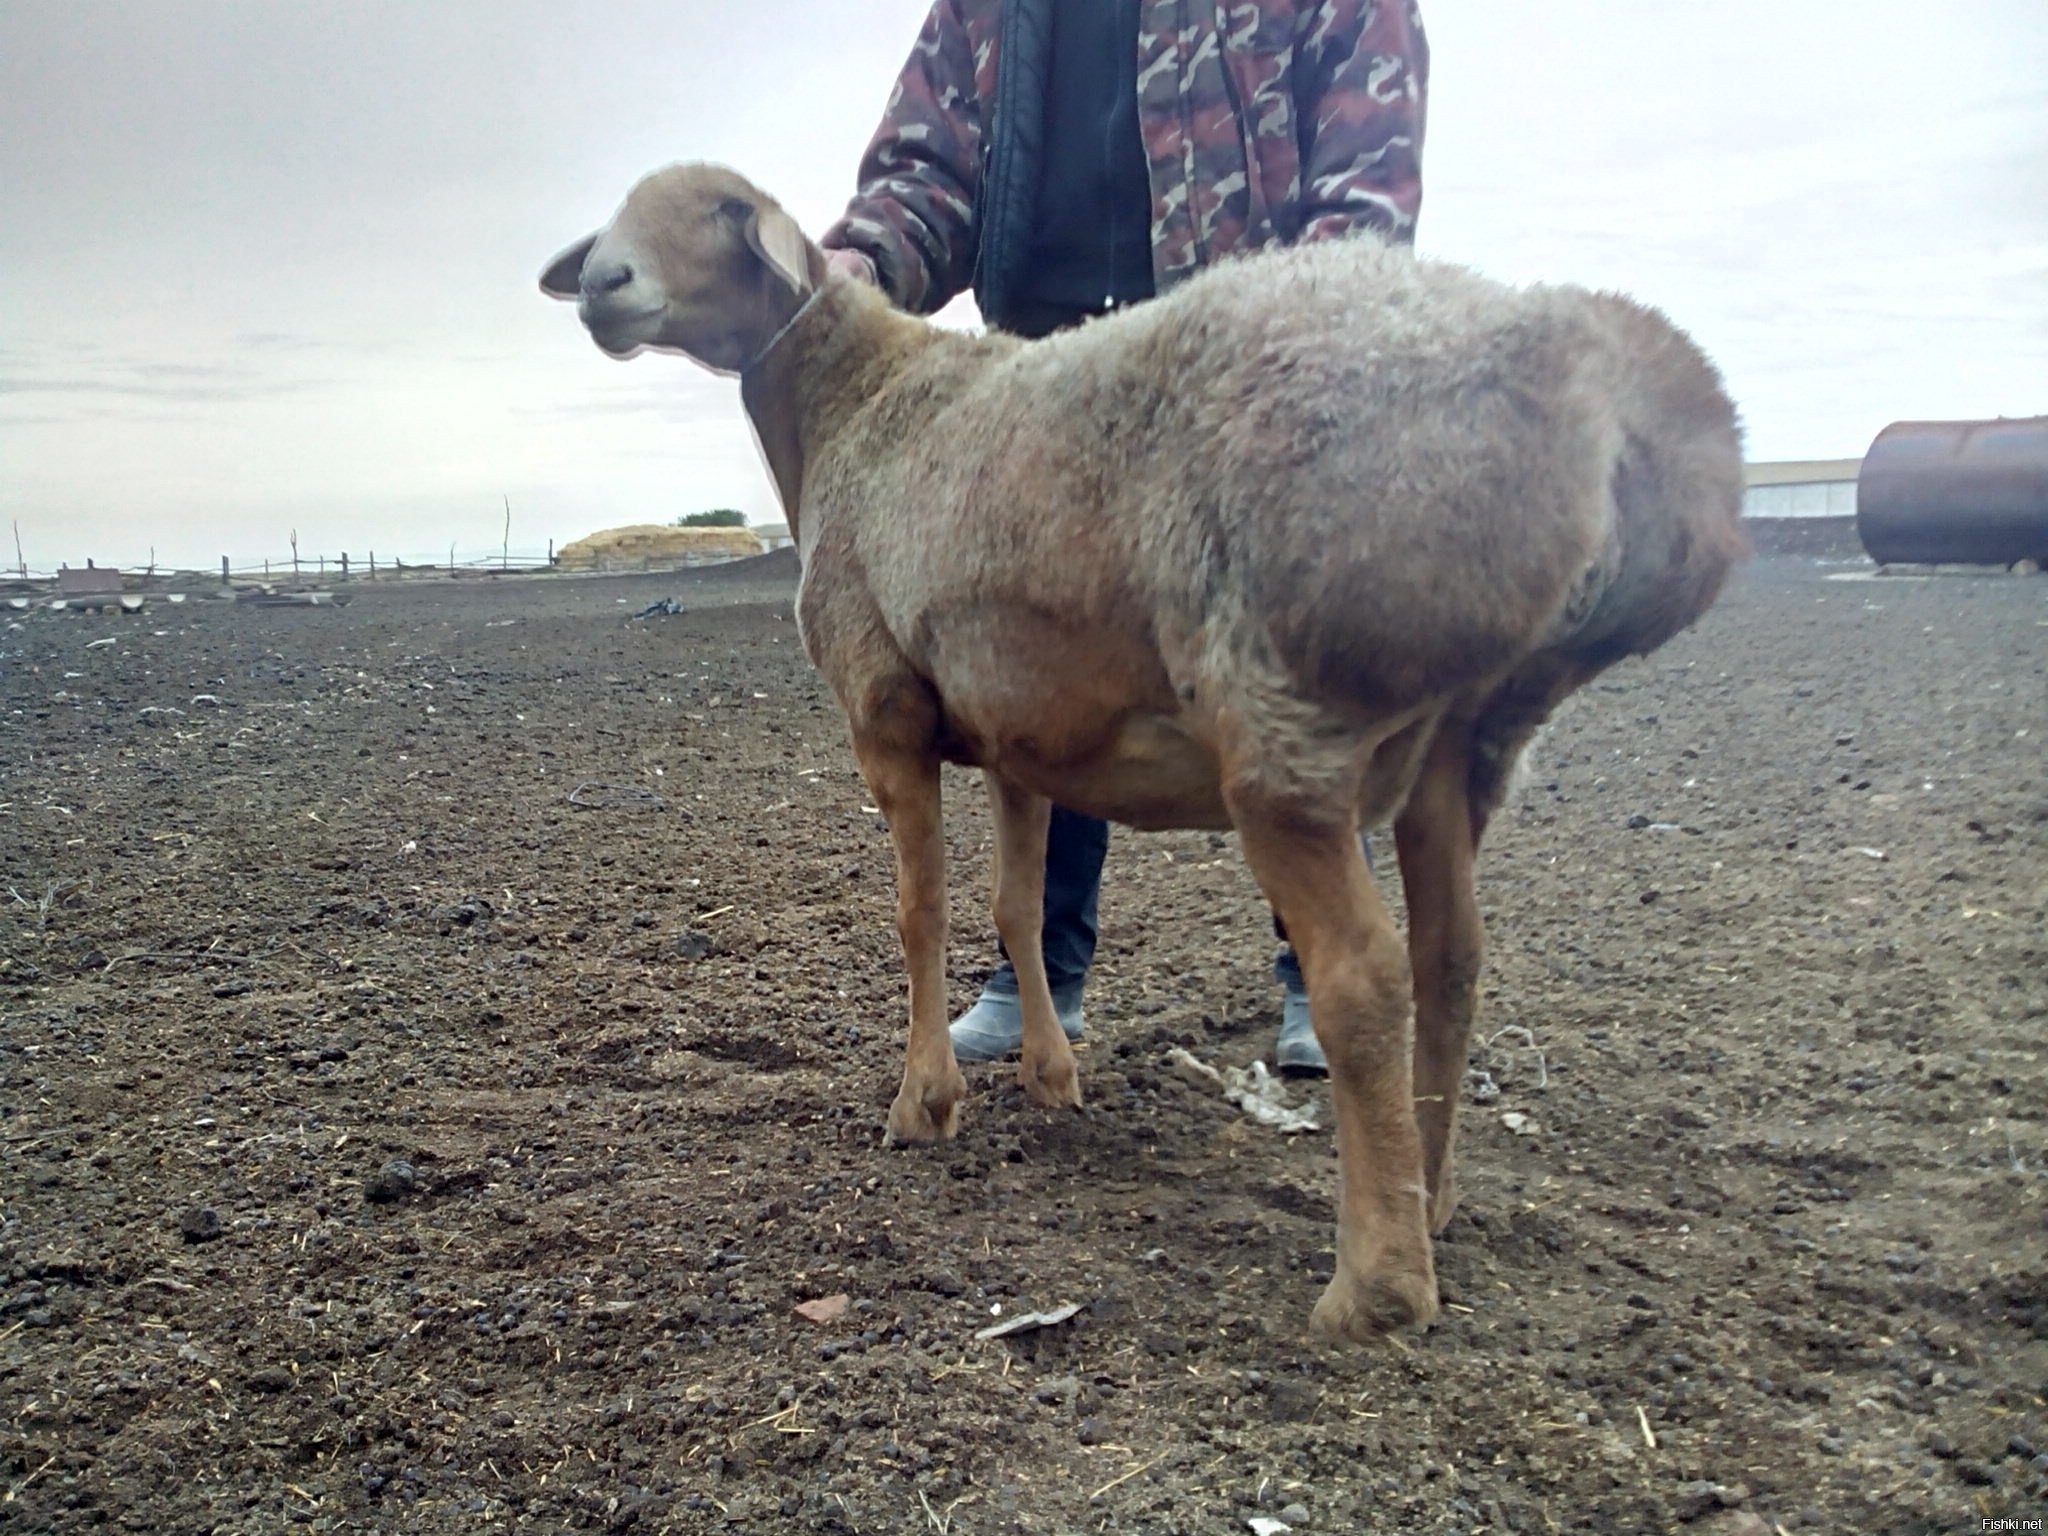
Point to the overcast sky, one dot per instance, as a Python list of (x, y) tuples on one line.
[(269, 266)]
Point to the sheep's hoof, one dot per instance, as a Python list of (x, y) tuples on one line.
[(1052, 1084), (1359, 1308), (924, 1113)]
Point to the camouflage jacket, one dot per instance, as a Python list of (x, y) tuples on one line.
[(1263, 121)]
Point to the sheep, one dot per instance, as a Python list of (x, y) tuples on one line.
[(1315, 540)]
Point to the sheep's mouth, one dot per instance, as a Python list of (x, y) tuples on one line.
[(617, 343), (622, 340), (619, 334)]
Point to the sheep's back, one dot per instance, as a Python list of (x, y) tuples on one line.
[(1382, 475), (1402, 467)]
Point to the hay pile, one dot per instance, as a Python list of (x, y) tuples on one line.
[(655, 547)]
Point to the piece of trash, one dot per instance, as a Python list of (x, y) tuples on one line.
[(1254, 1090), (1872, 853), (1521, 1124), (206, 698), (1026, 1322), (1266, 1525), (93, 645), (1528, 1040), (1480, 1087), (593, 795), (667, 606), (825, 1309)]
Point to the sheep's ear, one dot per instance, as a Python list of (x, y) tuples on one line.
[(773, 236), (564, 276)]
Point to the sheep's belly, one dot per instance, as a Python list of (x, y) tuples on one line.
[(1149, 772), (1070, 703)]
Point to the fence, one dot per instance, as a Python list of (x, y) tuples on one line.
[(369, 566), (299, 567)]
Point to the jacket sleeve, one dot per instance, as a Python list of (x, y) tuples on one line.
[(1362, 95), (914, 213)]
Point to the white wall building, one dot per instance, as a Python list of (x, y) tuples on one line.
[(1801, 488)]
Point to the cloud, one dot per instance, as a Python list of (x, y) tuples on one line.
[(282, 341), (159, 381), (234, 294)]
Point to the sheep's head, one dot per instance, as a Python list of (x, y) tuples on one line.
[(697, 261)]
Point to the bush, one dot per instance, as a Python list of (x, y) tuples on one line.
[(724, 517)]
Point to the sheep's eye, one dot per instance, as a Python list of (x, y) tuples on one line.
[(735, 209)]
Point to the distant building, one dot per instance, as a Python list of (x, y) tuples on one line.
[(773, 536), (1801, 488)]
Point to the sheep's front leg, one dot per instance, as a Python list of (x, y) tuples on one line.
[(1358, 985), (906, 788), (1436, 836), (1047, 1072)]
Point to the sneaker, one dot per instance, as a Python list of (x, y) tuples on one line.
[(1297, 1053), (994, 1027)]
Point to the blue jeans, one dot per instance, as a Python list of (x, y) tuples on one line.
[(1074, 850), (1075, 846)]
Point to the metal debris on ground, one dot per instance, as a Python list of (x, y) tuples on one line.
[(1027, 1322), (1528, 1043), (1254, 1090), (591, 795), (667, 606)]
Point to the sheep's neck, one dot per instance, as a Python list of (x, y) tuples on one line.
[(816, 377), (781, 441)]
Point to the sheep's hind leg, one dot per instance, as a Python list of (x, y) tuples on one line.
[(1047, 1072), (1314, 873), (1436, 836), (906, 788)]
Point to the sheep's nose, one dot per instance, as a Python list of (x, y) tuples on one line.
[(607, 278)]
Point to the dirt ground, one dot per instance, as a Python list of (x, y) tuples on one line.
[(388, 1143)]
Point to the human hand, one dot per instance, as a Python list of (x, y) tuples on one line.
[(853, 264)]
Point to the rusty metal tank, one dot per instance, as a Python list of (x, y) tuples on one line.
[(1956, 492)]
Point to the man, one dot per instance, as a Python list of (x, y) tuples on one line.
[(1068, 157)]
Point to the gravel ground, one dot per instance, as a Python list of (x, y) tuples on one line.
[(390, 1143)]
